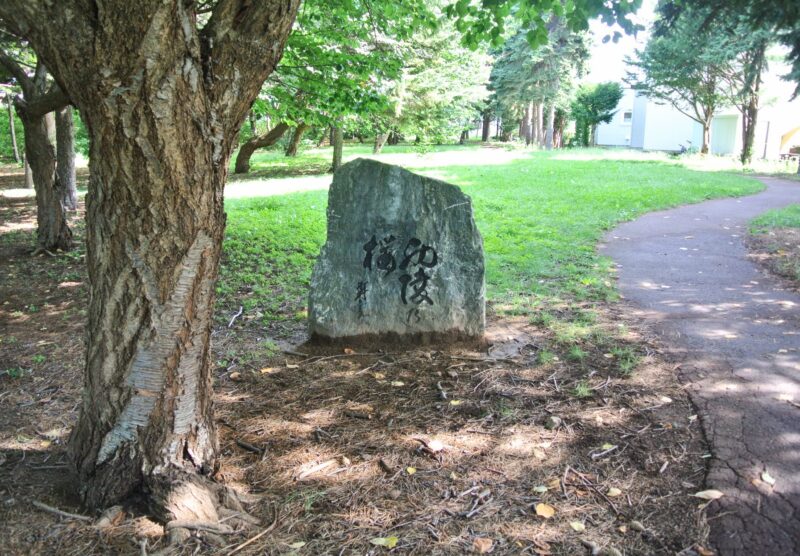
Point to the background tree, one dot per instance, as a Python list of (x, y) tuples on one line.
[(777, 18), (685, 68), (40, 96), (593, 105)]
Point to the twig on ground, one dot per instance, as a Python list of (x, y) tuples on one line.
[(62, 513), (236, 316), (250, 541), (249, 447)]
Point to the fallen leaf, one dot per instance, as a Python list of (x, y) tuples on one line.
[(299, 544), (379, 375), (607, 446), (545, 510), (482, 545), (292, 366), (540, 489), (388, 542), (767, 478), (411, 470), (709, 494), (613, 491), (702, 551), (453, 476), (577, 526), (554, 483), (623, 529), (236, 375), (455, 402), (539, 454), (349, 351), (267, 370), (398, 383)]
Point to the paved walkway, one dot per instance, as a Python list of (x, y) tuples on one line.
[(737, 332)]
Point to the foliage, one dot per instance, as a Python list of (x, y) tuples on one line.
[(442, 88), (6, 149), (340, 59), (593, 105), (271, 243), (486, 20), (779, 18), (544, 74)]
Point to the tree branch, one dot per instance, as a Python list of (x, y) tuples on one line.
[(55, 99), (241, 45), (16, 70)]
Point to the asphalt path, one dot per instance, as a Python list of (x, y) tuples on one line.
[(736, 332)]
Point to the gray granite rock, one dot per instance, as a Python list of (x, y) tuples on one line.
[(403, 257)]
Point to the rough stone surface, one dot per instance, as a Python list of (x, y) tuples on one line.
[(403, 258)]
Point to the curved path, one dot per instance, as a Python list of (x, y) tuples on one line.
[(737, 332)]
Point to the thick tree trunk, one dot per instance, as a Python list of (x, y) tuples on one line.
[(12, 129), (65, 158), (486, 130), (164, 102), (338, 147), (540, 128), (394, 138), (533, 133), (52, 232), (242, 165), (549, 123), (380, 141), (294, 143), (464, 137)]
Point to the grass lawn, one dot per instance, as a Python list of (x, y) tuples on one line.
[(787, 217), (541, 215)]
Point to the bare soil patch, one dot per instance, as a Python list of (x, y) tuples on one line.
[(520, 448), (778, 251)]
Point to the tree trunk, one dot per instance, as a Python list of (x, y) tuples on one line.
[(549, 123), (164, 102), (12, 129), (487, 124), (394, 138), (706, 137), (324, 138), (541, 127), (246, 151), (527, 124), (338, 147), (464, 137), (52, 232), (380, 141), (297, 135), (533, 133), (65, 158), (251, 118)]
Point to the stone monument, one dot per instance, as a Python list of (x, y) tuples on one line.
[(403, 258)]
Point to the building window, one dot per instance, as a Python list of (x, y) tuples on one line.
[(627, 116)]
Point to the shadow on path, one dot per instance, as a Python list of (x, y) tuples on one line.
[(736, 331)]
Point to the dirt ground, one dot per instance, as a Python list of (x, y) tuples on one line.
[(518, 449), (778, 251)]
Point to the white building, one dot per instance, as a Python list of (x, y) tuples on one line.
[(649, 125)]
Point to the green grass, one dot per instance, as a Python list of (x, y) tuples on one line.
[(541, 215), (787, 217)]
